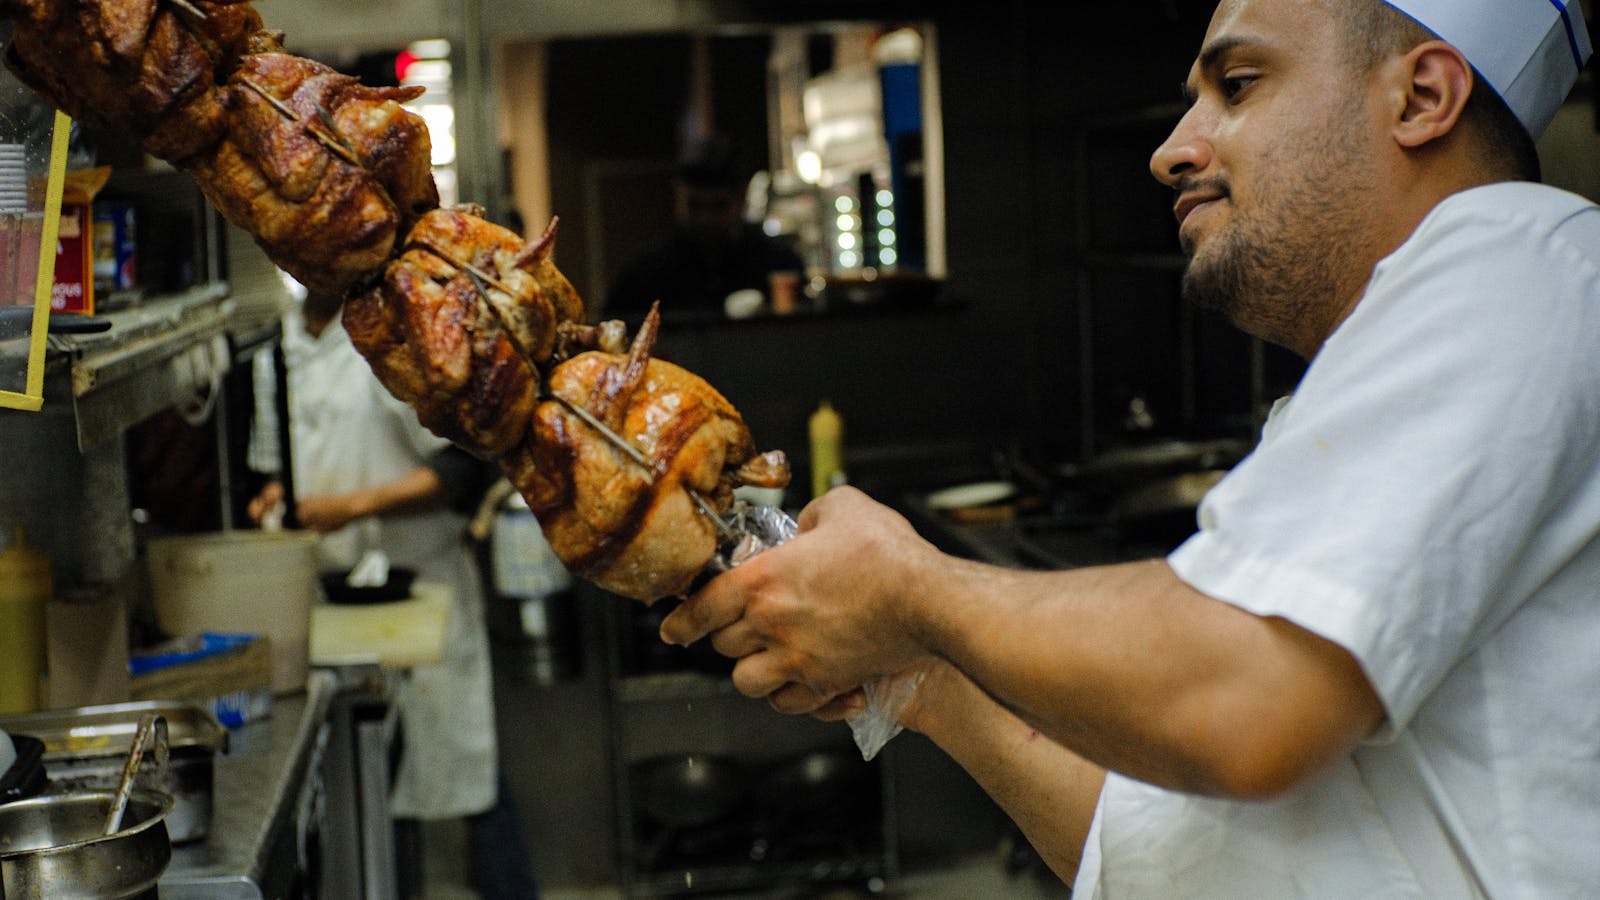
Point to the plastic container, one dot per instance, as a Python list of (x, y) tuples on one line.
[(253, 582), (25, 776), (826, 429), (25, 588)]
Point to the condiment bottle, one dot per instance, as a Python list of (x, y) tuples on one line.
[(827, 449), (25, 588)]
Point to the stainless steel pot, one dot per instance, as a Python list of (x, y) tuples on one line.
[(53, 846), (85, 747)]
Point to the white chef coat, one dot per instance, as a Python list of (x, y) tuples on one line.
[(348, 433), (1430, 500)]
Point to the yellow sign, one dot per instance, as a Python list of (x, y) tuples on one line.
[(27, 391)]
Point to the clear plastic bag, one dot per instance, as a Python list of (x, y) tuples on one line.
[(756, 528)]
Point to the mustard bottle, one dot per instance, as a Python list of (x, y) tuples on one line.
[(25, 588), (827, 449)]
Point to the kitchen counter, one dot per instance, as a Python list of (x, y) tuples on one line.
[(251, 849), (1027, 541)]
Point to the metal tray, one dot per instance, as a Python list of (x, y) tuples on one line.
[(85, 748)]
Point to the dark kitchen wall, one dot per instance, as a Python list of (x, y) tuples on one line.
[(1066, 243), (1018, 89), (1003, 364)]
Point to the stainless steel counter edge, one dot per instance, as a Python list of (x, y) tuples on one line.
[(257, 787)]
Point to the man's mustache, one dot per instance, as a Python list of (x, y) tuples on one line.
[(1213, 186), (1194, 184)]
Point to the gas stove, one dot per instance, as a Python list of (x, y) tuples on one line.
[(1136, 504)]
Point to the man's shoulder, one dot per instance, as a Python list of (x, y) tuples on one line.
[(1519, 202), (1520, 224)]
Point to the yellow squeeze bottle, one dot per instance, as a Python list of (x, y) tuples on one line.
[(827, 452), (25, 588)]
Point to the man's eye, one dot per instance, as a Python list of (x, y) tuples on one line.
[(1233, 85)]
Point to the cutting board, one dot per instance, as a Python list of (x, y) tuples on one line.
[(400, 634)]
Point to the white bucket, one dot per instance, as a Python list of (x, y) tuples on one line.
[(253, 582)]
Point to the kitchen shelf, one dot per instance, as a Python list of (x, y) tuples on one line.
[(667, 686), (167, 351)]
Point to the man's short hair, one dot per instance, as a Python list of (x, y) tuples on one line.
[(1377, 31)]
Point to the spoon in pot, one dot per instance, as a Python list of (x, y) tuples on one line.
[(152, 731)]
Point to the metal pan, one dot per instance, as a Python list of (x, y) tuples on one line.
[(689, 790), (85, 749), (54, 846), (1163, 511)]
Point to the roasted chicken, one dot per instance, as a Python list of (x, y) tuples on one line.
[(627, 461), (629, 519), (140, 67), (461, 325), (324, 172)]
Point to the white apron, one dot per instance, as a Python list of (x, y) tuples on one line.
[(348, 433)]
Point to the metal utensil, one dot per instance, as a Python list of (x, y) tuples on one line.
[(54, 848), (152, 731)]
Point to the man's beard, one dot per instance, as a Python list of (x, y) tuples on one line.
[(1217, 284), (1268, 278)]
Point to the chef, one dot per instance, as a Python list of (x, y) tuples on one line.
[(1371, 672), (369, 477)]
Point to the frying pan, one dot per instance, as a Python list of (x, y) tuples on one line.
[(1163, 510), (1117, 471), (814, 781), (689, 790), (337, 588)]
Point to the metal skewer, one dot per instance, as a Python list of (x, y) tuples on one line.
[(334, 144), (635, 454), (479, 277), (616, 440), (190, 8), (480, 281)]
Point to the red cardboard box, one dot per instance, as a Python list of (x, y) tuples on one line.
[(73, 291), (74, 287)]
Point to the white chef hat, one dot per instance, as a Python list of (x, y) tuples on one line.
[(1530, 51)]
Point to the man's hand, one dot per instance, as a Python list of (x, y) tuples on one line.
[(271, 495), (812, 620)]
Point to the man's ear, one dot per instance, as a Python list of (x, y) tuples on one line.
[(1437, 80)]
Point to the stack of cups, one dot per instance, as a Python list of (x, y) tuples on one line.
[(13, 179), (13, 213)]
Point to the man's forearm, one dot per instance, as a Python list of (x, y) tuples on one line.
[(1048, 791), (1134, 670), (417, 491)]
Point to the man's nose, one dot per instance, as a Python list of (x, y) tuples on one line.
[(1185, 150)]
